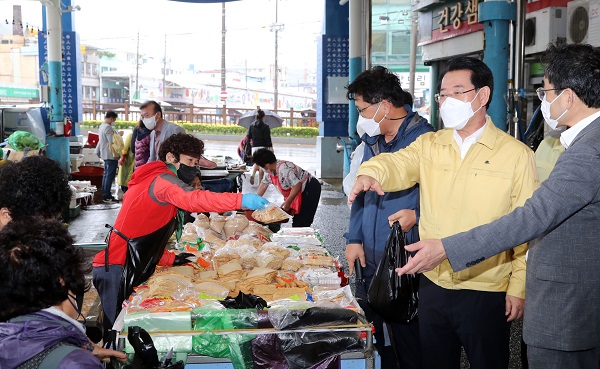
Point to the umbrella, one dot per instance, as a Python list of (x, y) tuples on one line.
[(272, 119)]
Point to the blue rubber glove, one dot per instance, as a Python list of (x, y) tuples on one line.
[(253, 201)]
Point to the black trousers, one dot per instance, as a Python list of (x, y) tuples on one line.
[(449, 319), (310, 201)]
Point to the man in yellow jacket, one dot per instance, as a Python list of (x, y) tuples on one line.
[(469, 174)]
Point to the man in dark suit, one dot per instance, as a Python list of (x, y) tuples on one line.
[(562, 317)]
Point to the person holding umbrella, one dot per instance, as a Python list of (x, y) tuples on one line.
[(259, 133)]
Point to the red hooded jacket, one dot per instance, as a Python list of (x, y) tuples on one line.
[(152, 200)]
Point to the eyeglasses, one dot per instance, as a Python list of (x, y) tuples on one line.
[(365, 108), (456, 95), (542, 93)]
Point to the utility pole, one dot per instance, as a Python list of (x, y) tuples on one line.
[(164, 83), (276, 27), (137, 68), (223, 32)]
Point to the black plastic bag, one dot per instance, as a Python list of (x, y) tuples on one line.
[(392, 297), (146, 356), (244, 301)]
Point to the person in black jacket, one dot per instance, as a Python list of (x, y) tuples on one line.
[(260, 134)]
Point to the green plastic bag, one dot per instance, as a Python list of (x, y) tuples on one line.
[(23, 141), (237, 347)]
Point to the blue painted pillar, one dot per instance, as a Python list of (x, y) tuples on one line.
[(357, 62), (332, 77), (54, 46), (496, 17)]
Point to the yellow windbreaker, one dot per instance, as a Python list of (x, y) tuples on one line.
[(497, 175)]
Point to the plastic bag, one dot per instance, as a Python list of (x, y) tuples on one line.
[(394, 298), (146, 355), (22, 141), (324, 315), (235, 346), (304, 350), (357, 157), (267, 354)]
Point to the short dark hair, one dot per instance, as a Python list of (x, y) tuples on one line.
[(481, 75), (263, 157), (375, 85), (38, 266), (34, 186), (111, 114), (408, 99), (155, 106), (181, 143), (260, 114), (574, 66)]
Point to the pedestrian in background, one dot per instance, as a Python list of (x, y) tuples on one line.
[(111, 161), (562, 324), (152, 117), (140, 144), (386, 124), (259, 134), (468, 174), (126, 162)]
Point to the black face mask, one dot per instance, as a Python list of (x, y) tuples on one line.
[(78, 303), (187, 173)]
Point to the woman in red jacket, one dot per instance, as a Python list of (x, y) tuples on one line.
[(150, 213)]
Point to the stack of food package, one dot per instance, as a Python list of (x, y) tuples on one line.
[(287, 269)]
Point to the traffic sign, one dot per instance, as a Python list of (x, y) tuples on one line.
[(224, 95)]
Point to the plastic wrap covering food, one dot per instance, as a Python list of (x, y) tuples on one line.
[(270, 214), (235, 346), (259, 230), (217, 222), (165, 291), (211, 237), (235, 223), (202, 221), (319, 277), (296, 239), (267, 353), (163, 321), (339, 296)]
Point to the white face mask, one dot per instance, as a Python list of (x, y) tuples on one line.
[(552, 123), (456, 113), (369, 125), (150, 122)]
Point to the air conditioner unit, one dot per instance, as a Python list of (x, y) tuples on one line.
[(583, 22), (543, 27)]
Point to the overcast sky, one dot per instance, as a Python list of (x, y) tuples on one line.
[(194, 30)]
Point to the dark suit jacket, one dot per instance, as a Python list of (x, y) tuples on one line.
[(562, 306)]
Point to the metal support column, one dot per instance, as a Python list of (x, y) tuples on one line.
[(496, 17)]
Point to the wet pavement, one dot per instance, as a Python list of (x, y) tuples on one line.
[(331, 219)]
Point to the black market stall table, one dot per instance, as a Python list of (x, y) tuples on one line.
[(213, 310)]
